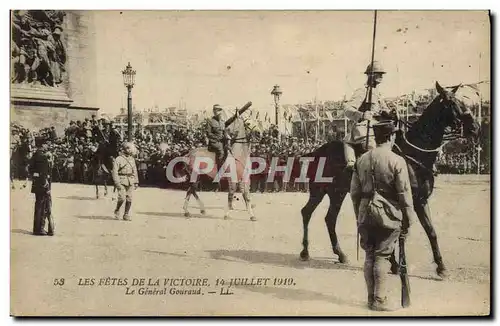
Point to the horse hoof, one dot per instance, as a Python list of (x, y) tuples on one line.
[(343, 259), (231, 208), (304, 255), (203, 212), (187, 214), (442, 272), (226, 217), (253, 218)]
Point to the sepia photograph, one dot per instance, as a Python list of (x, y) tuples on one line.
[(262, 163)]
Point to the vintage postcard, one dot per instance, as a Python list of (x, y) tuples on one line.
[(250, 163)]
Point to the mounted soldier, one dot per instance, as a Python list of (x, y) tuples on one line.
[(363, 113), (217, 136), (109, 141)]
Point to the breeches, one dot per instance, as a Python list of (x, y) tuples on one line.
[(218, 150), (125, 193), (377, 241)]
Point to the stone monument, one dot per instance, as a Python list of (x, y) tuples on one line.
[(53, 68)]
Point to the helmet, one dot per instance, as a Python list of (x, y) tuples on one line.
[(217, 107), (377, 68)]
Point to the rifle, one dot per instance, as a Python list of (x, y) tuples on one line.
[(403, 273), (240, 111)]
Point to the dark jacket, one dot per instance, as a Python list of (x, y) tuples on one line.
[(216, 132), (40, 170)]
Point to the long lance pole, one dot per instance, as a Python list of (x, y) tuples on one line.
[(370, 88), (369, 106)]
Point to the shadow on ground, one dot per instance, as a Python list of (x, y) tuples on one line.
[(97, 217), (21, 231), (77, 198), (179, 215), (278, 259)]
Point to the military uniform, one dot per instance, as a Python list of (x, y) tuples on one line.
[(126, 179), (216, 136), (357, 126), (40, 169), (392, 181)]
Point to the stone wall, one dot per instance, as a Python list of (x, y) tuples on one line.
[(38, 106)]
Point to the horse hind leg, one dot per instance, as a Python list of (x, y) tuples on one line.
[(202, 205), (316, 195)]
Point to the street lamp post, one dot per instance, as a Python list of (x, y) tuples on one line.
[(276, 92), (128, 80)]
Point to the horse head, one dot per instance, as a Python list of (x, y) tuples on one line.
[(457, 114)]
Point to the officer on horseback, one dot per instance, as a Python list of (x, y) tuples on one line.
[(362, 115), (109, 142), (217, 136)]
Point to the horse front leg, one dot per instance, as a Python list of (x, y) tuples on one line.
[(230, 195), (424, 215), (316, 195), (336, 200), (195, 195), (246, 197), (186, 200)]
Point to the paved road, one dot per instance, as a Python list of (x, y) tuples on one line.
[(161, 244)]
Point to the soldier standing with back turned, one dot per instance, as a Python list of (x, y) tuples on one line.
[(378, 238)]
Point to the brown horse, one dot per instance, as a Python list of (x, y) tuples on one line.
[(233, 170), (419, 146)]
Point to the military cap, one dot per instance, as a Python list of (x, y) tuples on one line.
[(384, 128), (217, 107)]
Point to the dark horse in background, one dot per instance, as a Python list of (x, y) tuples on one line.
[(102, 160), (419, 146)]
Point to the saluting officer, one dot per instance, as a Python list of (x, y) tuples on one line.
[(125, 178), (379, 239), (217, 136), (40, 169), (359, 112)]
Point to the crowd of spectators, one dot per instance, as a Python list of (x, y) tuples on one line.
[(74, 150)]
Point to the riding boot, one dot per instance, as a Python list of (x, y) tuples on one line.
[(380, 282), (369, 278), (126, 215)]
